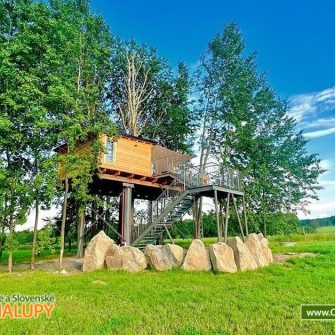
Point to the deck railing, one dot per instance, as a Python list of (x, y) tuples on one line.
[(191, 175)]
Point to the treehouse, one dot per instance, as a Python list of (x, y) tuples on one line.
[(137, 168)]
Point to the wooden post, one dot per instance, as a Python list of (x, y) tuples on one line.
[(196, 217), (126, 217), (227, 218), (217, 215), (168, 233), (238, 217), (245, 217), (128, 212)]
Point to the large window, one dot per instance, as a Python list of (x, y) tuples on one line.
[(109, 155)]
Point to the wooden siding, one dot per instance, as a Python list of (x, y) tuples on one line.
[(131, 155)]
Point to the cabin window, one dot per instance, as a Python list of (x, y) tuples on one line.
[(109, 155)]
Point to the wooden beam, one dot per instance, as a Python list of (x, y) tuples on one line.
[(130, 176), (170, 237), (136, 181), (238, 218)]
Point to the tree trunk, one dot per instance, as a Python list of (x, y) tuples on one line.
[(62, 230), (80, 235), (10, 252), (33, 249), (2, 239)]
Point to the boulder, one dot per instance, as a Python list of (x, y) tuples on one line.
[(243, 258), (133, 259), (114, 257), (260, 236), (266, 250), (254, 245), (157, 257), (95, 252), (197, 257), (222, 257), (175, 254)]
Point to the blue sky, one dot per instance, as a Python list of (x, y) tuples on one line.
[(295, 45)]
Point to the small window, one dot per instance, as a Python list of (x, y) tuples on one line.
[(109, 155)]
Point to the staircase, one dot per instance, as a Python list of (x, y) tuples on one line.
[(173, 210), (170, 206)]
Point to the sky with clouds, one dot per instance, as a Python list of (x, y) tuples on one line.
[(295, 46)]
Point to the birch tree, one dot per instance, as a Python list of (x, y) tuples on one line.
[(146, 98)]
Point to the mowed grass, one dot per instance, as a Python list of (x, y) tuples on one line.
[(22, 255), (262, 302)]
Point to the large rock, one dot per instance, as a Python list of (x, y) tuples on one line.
[(260, 236), (133, 259), (254, 245), (175, 254), (266, 250), (95, 252), (197, 257), (243, 258), (222, 257), (157, 257), (114, 257)]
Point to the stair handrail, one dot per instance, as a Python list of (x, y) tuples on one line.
[(166, 210)]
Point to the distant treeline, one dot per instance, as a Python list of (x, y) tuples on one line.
[(315, 223)]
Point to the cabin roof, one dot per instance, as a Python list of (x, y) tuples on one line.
[(138, 138)]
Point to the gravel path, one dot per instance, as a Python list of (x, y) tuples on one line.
[(70, 264)]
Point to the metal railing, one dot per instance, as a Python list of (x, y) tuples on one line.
[(191, 175), (153, 211)]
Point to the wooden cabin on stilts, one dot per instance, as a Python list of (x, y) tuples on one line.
[(133, 168)]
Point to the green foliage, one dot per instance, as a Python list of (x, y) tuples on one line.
[(11, 242), (24, 237), (311, 225), (248, 129), (46, 240), (161, 111)]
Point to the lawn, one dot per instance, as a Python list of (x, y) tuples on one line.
[(265, 301), (23, 255)]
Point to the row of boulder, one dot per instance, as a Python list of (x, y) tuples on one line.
[(236, 255)]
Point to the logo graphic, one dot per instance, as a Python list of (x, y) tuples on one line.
[(17, 306), (318, 312)]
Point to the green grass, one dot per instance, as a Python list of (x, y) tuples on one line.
[(261, 302), (23, 255)]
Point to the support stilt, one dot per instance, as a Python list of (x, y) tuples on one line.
[(238, 217), (245, 217), (168, 233), (127, 217), (217, 216), (196, 218), (227, 218)]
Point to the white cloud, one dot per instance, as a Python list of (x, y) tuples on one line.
[(320, 133), (319, 123), (306, 105), (327, 183), (319, 210)]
